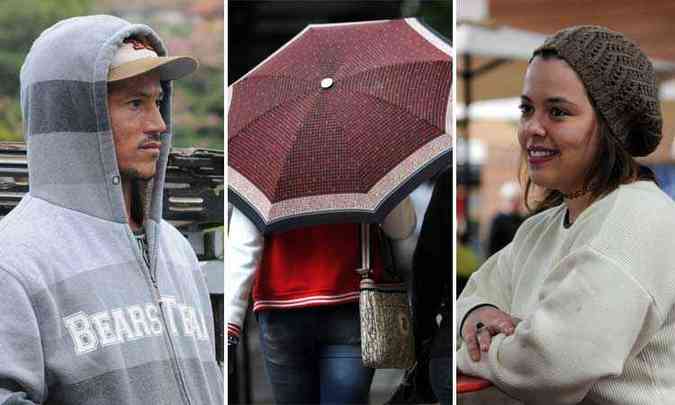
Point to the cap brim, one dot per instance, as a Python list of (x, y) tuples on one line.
[(169, 68)]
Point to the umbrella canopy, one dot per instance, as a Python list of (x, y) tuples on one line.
[(340, 124)]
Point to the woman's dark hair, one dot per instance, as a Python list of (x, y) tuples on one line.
[(613, 165)]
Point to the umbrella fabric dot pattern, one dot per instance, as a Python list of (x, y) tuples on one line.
[(339, 124)]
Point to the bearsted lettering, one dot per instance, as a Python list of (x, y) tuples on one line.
[(133, 322)]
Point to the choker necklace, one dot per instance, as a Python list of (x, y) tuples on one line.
[(576, 194)]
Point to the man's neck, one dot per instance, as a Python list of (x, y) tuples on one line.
[(127, 192)]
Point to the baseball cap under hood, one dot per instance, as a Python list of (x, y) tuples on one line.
[(71, 153)]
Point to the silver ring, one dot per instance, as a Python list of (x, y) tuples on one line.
[(479, 327)]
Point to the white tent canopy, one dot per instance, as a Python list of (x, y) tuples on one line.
[(511, 43), (667, 91), (501, 42), (498, 109), (516, 44)]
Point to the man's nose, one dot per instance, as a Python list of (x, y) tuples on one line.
[(155, 125)]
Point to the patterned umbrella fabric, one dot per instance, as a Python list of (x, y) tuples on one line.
[(340, 124)]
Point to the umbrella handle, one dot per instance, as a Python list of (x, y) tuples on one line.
[(364, 271)]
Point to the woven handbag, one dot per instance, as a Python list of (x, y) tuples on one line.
[(386, 322)]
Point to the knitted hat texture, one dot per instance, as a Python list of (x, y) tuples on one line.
[(619, 79)]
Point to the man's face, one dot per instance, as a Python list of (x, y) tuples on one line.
[(136, 124)]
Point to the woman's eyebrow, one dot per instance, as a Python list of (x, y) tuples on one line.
[(558, 100), (550, 100)]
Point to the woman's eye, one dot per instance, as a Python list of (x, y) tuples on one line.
[(558, 113)]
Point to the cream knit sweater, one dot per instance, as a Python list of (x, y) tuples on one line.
[(597, 303)]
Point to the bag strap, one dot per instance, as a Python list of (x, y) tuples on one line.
[(385, 249), (364, 270)]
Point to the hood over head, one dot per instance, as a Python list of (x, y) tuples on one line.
[(64, 101)]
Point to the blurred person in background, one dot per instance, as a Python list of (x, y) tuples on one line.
[(467, 259), (428, 381), (104, 302), (579, 307), (432, 286), (506, 222)]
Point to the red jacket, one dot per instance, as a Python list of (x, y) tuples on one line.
[(312, 266)]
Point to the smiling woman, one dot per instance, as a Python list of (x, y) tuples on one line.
[(577, 309), (558, 128), (584, 157)]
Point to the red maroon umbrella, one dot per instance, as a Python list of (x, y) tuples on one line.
[(340, 124)]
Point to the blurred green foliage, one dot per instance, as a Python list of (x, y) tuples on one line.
[(198, 107), (10, 119), (21, 21), (204, 96)]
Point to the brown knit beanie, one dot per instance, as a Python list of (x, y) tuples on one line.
[(619, 79)]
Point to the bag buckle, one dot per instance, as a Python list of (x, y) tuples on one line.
[(364, 272)]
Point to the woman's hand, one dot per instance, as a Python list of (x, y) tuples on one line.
[(481, 324)]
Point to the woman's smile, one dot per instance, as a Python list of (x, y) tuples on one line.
[(539, 155)]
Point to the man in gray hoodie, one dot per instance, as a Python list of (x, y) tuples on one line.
[(101, 301)]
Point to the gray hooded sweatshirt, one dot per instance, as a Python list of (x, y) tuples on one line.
[(83, 318)]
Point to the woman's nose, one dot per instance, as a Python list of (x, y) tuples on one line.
[(533, 127)]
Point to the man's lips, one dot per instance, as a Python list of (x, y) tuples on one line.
[(151, 146), (538, 154)]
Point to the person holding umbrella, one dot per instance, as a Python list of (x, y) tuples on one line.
[(305, 291), (332, 131), (579, 307)]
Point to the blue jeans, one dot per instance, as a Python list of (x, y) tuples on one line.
[(439, 363), (439, 375), (313, 355)]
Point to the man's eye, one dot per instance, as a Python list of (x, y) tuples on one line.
[(158, 102), (137, 103)]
